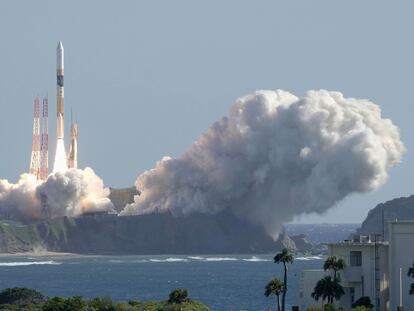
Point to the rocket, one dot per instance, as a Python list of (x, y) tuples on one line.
[(60, 164), (60, 93)]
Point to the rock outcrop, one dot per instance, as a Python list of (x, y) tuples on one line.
[(100, 233), (378, 218)]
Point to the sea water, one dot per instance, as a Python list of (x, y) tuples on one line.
[(223, 282)]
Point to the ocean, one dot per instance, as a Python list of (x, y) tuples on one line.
[(223, 282)]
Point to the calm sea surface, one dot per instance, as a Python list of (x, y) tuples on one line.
[(225, 282)]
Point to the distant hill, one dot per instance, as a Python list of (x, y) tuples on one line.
[(378, 218)]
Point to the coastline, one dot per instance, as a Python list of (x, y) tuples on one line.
[(39, 254)]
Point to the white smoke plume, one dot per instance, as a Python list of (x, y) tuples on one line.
[(274, 157), (68, 193)]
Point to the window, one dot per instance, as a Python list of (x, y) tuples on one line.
[(355, 259)]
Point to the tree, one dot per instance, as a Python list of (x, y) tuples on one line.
[(178, 296), (102, 304), (54, 304), (411, 274), (284, 257), (363, 301), (75, 303), (275, 287), (335, 264), (20, 295), (328, 288)]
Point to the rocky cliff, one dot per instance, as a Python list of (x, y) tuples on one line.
[(378, 218), (146, 234), (102, 233)]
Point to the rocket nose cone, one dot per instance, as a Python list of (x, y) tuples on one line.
[(60, 46)]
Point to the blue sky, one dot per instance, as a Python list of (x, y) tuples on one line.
[(146, 78)]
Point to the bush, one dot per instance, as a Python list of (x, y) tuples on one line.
[(20, 295), (329, 307), (101, 304), (75, 303), (364, 301), (178, 296), (361, 308), (313, 309)]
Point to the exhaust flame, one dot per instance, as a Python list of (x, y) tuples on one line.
[(61, 163)]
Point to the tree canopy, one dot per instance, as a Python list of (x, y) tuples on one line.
[(328, 288), (178, 296), (20, 295), (285, 256), (334, 264)]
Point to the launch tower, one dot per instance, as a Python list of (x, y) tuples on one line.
[(44, 141), (39, 156)]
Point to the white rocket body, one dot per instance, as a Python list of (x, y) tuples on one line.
[(60, 93), (60, 164)]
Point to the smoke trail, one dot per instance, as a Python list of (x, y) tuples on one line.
[(276, 156), (68, 193)]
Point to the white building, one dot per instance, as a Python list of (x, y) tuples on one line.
[(401, 256), (372, 269), (365, 273), (308, 279)]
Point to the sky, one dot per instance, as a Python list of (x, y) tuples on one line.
[(146, 78)]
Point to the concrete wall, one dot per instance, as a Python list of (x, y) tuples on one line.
[(308, 280), (401, 256)]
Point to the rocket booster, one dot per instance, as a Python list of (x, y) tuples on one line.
[(60, 93)]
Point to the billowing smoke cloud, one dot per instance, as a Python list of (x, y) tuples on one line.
[(70, 193), (276, 156)]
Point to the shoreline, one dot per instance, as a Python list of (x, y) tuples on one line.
[(39, 254)]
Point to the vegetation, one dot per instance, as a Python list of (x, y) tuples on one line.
[(334, 264), (18, 295), (275, 287), (364, 301), (284, 257), (178, 296), (329, 288), (14, 299), (411, 274)]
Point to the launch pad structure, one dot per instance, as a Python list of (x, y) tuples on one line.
[(39, 161)]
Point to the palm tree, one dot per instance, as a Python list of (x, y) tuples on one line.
[(328, 288), (284, 257), (335, 264), (411, 274), (275, 287)]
